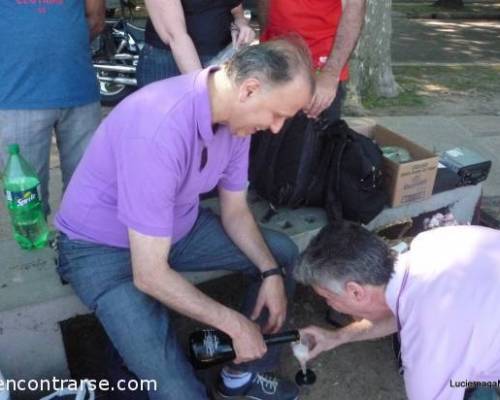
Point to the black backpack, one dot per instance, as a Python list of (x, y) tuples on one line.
[(282, 166), (354, 188), (314, 163)]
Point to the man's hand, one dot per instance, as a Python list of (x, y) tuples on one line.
[(248, 343), (272, 296), (246, 34), (326, 90), (320, 339)]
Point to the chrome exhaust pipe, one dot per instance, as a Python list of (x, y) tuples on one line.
[(125, 57), (115, 68), (119, 79)]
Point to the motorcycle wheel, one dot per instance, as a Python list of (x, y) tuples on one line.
[(112, 93)]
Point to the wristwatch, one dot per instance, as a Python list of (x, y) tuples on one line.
[(274, 271)]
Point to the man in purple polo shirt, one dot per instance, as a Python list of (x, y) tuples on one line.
[(442, 296), (130, 219)]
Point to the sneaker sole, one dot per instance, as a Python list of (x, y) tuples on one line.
[(219, 396)]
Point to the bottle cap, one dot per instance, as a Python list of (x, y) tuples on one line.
[(13, 148)]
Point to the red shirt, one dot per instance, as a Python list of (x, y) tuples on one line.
[(316, 21)]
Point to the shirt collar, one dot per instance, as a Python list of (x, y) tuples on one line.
[(202, 108)]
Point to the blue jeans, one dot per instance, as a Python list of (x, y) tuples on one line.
[(156, 64), (482, 394), (32, 130), (138, 325)]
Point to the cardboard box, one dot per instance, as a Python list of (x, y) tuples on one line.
[(407, 182)]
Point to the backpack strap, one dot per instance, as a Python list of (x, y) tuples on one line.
[(333, 202), (264, 159)]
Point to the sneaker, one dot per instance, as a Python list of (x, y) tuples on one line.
[(262, 386)]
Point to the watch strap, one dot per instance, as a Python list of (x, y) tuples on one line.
[(271, 272)]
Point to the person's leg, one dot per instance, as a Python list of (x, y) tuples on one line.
[(207, 247), (138, 325), (155, 64), (74, 129), (32, 130)]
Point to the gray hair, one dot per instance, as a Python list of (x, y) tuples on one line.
[(274, 63), (344, 251)]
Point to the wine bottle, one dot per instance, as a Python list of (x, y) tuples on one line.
[(209, 347)]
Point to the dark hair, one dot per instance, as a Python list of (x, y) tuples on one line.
[(275, 62), (344, 251)]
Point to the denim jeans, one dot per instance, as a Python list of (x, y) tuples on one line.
[(32, 130), (482, 394), (156, 64), (138, 325)]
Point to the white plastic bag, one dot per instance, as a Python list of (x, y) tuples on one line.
[(84, 392)]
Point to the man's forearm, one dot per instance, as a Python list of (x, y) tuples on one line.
[(262, 9), (95, 14), (244, 232), (346, 38), (173, 290), (365, 330)]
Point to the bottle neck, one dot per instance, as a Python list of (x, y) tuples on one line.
[(282, 337)]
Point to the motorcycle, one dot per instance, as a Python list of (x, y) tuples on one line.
[(115, 54)]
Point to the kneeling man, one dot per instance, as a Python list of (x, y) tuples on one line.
[(441, 297)]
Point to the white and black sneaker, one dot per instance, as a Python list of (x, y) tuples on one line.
[(262, 386)]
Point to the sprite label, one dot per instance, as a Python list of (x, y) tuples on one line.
[(24, 198)]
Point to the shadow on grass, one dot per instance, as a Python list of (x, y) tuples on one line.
[(421, 86)]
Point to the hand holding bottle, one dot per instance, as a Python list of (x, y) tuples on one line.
[(248, 342)]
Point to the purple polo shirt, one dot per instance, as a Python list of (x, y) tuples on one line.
[(148, 162), (449, 311)]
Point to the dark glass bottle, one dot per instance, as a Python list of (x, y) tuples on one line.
[(209, 347)]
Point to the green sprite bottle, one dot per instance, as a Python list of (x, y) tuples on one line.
[(24, 202)]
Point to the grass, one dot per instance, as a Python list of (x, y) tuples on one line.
[(413, 9), (421, 84), (424, 8)]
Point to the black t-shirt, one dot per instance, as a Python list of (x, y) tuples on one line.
[(207, 22)]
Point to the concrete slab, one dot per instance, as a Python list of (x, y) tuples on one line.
[(480, 125)]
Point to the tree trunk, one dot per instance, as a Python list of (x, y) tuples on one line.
[(370, 66)]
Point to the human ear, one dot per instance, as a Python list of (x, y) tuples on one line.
[(249, 88), (355, 290)]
